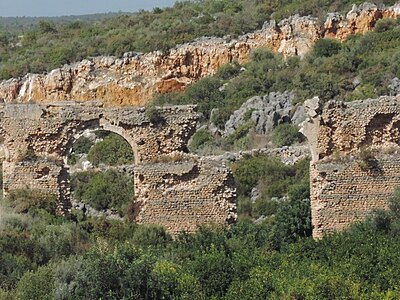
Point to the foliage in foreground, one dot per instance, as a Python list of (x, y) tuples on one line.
[(214, 263), (53, 258)]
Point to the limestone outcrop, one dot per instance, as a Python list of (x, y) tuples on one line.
[(135, 78), (266, 113)]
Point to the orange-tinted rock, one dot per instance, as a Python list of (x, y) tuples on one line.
[(135, 78)]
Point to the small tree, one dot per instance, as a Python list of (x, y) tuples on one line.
[(201, 138), (326, 47), (287, 134), (293, 221), (154, 114)]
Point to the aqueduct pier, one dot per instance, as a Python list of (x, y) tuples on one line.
[(172, 188), (355, 165)]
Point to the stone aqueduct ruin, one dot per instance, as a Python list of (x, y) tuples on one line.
[(172, 188), (355, 165), (181, 191)]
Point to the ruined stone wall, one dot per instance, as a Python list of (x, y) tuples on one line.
[(39, 175), (135, 78), (49, 130), (344, 192), (183, 194), (172, 188), (356, 159)]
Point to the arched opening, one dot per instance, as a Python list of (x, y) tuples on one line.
[(99, 174)]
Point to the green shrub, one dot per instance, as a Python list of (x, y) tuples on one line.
[(82, 145), (286, 134), (244, 207), (264, 207), (110, 189), (213, 270), (300, 190), (382, 220), (151, 236), (164, 279), (37, 285), (228, 71), (248, 114), (29, 200), (271, 175), (72, 159), (326, 48), (386, 24), (60, 240), (239, 138), (6, 294), (154, 115), (292, 221), (201, 138), (259, 285), (113, 150), (364, 91)]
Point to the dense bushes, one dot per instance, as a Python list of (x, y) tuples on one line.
[(110, 189), (287, 134), (268, 173), (326, 48), (236, 263), (201, 139), (82, 145), (29, 200), (130, 261)]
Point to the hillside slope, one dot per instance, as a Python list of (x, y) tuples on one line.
[(135, 78)]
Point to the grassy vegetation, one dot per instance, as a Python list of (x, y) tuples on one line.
[(287, 134), (273, 180)]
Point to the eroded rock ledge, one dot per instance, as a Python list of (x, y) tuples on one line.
[(135, 78)]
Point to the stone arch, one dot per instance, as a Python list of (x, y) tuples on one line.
[(101, 125), (122, 132), (172, 188), (78, 131)]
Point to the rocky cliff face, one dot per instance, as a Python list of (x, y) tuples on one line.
[(135, 78)]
